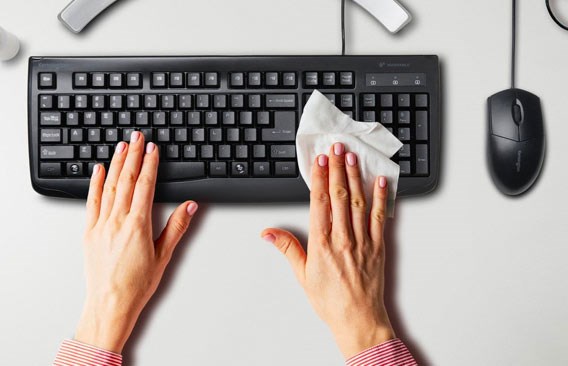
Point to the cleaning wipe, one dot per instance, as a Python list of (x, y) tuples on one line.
[(322, 125)]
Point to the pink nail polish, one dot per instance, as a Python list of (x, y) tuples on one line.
[(382, 182), (96, 169), (269, 237), (134, 137), (322, 160), (192, 208), (150, 147), (351, 159), (120, 147), (338, 148)]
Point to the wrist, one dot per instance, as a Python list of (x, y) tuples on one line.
[(105, 325), (358, 339)]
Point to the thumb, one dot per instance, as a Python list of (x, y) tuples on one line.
[(290, 246), (177, 225)]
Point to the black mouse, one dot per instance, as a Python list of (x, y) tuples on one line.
[(516, 145)]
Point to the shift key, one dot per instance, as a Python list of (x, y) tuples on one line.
[(57, 152), (284, 128), (281, 101)]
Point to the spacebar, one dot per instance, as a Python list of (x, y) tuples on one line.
[(180, 171)]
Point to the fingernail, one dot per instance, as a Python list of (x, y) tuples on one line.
[(338, 148), (135, 136), (322, 160), (120, 147), (96, 169), (269, 237), (150, 147), (382, 182), (351, 159), (192, 208)]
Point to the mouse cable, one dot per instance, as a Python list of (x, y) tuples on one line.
[(342, 27), (554, 17), (514, 45)]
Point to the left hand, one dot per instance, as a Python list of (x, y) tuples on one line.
[(123, 262)]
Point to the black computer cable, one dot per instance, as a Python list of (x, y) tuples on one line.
[(342, 27), (514, 45), (554, 17)]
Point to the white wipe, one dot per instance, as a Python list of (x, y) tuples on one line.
[(322, 125)]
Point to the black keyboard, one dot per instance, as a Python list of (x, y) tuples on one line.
[(225, 126)]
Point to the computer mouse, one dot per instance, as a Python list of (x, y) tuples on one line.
[(516, 145)]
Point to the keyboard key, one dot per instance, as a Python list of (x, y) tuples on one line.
[(255, 101), (215, 135), (272, 79), (46, 101), (57, 152), (74, 169), (229, 118), (245, 118), (47, 80), (422, 164), (281, 101), (422, 125), (263, 118), (284, 128), (211, 118), (241, 152), (98, 80), (151, 101), (212, 79), (331, 98), (50, 119), (190, 152), (202, 101), (142, 119), (111, 135), (218, 169), (254, 79), (134, 80), (116, 101), (369, 116), (283, 151), (224, 152), (193, 80), (180, 135), (172, 152), (285, 169), (85, 152), (176, 118), (176, 80), (289, 79), (386, 117), (159, 80), (103, 152), (89, 119), (220, 101), (198, 135), (239, 169), (163, 135), (50, 170), (404, 117), (159, 118), (124, 119), (80, 80), (329, 79), (76, 135), (250, 134), (386, 100), (64, 102), (207, 152), (405, 168), (194, 118), (115, 81), (346, 101), (50, 135), (404, 100), (261, 169), (148, 134), (421, 101), (94, 135), (346, 79), (237, 80), (237, 101), (98, 102), (133, 101), (168, 101), (404, 134), (233, 135), (311, 79), (404, 151), (259, 151), (369, 101), (169, 171)]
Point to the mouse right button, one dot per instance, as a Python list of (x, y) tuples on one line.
[(532, 126)]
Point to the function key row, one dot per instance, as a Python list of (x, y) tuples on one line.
[(329, 79), (371, 101), (266, 80)]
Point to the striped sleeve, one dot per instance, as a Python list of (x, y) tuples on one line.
[(73, 353), (390, 353)]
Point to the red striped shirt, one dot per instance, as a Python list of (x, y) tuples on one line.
[(73, 353), (390, 353)]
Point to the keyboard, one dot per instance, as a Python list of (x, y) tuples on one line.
[(225, 126)]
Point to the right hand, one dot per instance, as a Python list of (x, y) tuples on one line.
[(343, 271)]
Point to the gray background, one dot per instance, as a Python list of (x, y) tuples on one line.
[(474, 278)]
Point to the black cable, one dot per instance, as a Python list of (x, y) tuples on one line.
[(514, 45), (554, 17), (342, 27)]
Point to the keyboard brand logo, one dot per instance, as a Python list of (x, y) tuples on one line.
[(402, 65), (519, 160)]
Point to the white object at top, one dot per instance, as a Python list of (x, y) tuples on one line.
[(9, 45), (389, 13), (79, 13)]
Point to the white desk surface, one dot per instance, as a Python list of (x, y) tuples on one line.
[(474, 278)]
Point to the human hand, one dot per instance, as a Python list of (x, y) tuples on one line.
[(123, 262), (342, 272)]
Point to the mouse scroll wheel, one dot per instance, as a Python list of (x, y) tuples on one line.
[(518, 112)]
